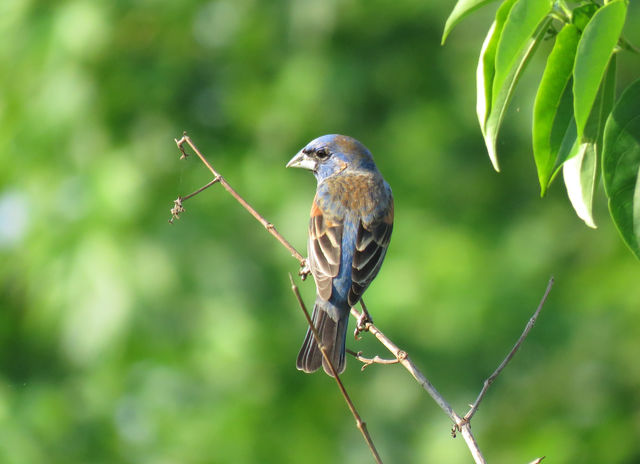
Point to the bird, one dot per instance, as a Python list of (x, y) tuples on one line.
[(349, 233)]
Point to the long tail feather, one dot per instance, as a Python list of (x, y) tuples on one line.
[(332, 335)]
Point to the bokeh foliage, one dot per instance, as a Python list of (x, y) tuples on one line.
[(125, 339)]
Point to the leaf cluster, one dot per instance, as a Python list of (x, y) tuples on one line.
[(578, 127)]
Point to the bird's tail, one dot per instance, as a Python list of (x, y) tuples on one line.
[(332, 334)]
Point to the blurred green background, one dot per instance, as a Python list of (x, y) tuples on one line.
[(124, 339)]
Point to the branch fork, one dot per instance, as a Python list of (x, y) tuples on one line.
[(460, 425)]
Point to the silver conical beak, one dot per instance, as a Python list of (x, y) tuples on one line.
[(302, 160)]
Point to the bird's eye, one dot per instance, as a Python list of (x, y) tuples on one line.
[(322, 153)]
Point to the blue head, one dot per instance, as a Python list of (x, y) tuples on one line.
[(331, 154)]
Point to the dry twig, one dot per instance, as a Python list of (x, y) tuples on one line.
[(362, 426), (366, 362), (218, 178), (460, 424), (505, 361)]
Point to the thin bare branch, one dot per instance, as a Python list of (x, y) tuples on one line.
[(407, 363), (362, 426), (204, 187), (511, 354), (366, 362), (460, 424), (177, 203), (218, 178)]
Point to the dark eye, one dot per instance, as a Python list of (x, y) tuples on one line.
[(322, 153)]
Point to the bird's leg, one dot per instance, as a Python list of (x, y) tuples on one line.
[(305, 270), (364, 320)]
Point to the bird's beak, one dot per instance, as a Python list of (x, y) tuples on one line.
[(302, 160)]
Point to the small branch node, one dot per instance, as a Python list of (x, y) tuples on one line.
[(180, 143), (366, 362), (176, 210), (457, 427)]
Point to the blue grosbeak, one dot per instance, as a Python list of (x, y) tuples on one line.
[(349, 231)]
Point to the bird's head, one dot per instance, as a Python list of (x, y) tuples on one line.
[(331, 154)]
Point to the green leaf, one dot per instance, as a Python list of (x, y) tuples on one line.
[(621, 166), (486, 65), (582, 170), (569, 144), (608, 97), (500, 100), (563, 132), (548, 114), (594, 51), (580, 178), (523, 21), (462, 9)]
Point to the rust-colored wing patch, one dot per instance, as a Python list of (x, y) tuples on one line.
[(325, 242)]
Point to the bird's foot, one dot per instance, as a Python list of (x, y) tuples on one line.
[(305, 270), (364, 321)]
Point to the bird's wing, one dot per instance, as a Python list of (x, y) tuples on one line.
[(372, 241), (325, 242)]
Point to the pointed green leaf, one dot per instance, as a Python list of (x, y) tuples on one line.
[(548, 115), (582, 171), (594, 50), (563, 132), (569, 143), (608, 98), (621, 166), (580, 178), (462, 9), (501, 99), (484, 76), (523, 21), (486, 64)]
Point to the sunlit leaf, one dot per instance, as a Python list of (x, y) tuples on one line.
[(621, 166), (580, 176), (521, 24), (484, 75), (462, 9), (581, 171), (502, 95), (486, 65), (565, 131), (608, 97), (548, 114), (594, 51)]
